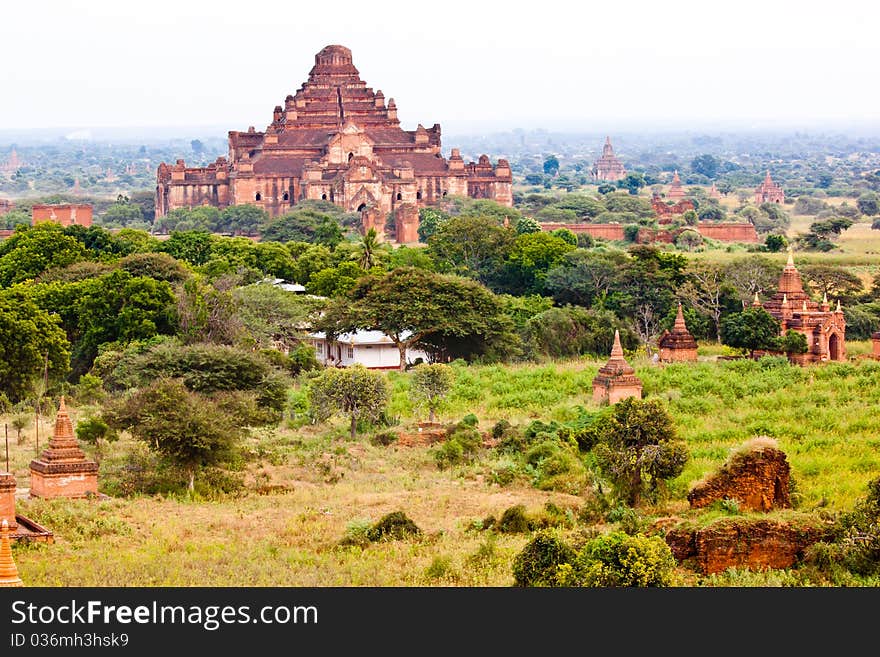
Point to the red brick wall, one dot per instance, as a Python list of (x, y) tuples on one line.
[(66, 215), (728, 232), (602, 231)]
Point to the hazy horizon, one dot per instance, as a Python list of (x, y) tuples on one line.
[(471, 67)]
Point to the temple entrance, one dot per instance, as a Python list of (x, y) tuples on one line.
[(833, 347), (362, 207)]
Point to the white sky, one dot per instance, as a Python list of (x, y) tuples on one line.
[(459, 63)]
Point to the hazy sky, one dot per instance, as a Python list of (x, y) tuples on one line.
[(579, 64)]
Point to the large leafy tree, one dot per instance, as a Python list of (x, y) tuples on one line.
[(411, 306), (529, 260), (110, 308), (354, 391), (30, 339), (754, 329), (472, 246), (638, 448), (184, 427), (32, 250)]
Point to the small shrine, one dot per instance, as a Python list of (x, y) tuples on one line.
[(677, 345), (616, 379), (63, 470)]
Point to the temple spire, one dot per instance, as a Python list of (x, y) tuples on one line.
[(838, 306), (616, 349), (679, 320), (8, 572), (790, 262), (757, 301)]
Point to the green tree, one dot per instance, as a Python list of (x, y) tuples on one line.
[(411, 305), (527, 225), (754, 329), (638, 448), (429, 220), (192, 246), (354, 391), (869, 203), (775, 243), (243, 219), (551, 165), (367, 247), (471, 246), (429, 386), (706, 165), (96, 432), (793, 343), (532, 256), (30, 339), (833, 282), (632, 182), (32, 250), (182, 426)]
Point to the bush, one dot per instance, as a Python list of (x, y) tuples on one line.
[(393, 526), (514, 521), (617, 559), (537, 563), (469, 420), (384, 438), (500, 429)]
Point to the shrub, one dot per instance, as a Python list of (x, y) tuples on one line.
[(393, 526), (384, 438), (537, 563), (617, 559), (500, 429), (514, 521), (470, 420), (449, 453)]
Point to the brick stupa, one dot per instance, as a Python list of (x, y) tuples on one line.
[(8, 572), (616, 379), (62, 469), (678, 345), (675, 189), (7, 499)]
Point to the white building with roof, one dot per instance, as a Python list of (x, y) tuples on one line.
[(372, 349)]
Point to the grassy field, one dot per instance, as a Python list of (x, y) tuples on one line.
[(309, 485)]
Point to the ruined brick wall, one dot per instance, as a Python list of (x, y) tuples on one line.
[(728, 231), (7, 499), (71, 485), (601, 231), (66, 215), (739, 543), (758, 479)]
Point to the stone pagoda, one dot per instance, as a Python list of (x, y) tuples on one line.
[(8, 572), (769, 192), (616, 379), (678, 345), (608, 167), (825, 329), (675, 189), (713, 192), (62, 469)]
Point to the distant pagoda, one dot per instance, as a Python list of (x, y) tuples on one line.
[(608, 167), (62, 469), (675, 189), (616, 379), (678, 345), (713, 192), (769, 191)]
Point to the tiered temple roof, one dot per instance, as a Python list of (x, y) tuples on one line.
[(616, 379), (63, 470), (608, 166), (769, 191), (678, 344), (675, 189)]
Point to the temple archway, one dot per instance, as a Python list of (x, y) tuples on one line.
[(834, 351), (362, 207)]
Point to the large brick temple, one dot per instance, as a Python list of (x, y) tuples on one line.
[(337, 140), (824, 328)]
